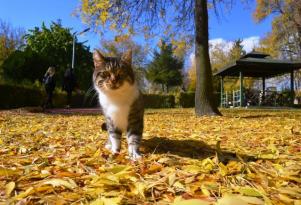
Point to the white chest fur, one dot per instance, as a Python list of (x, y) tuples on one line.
[(116, 103)]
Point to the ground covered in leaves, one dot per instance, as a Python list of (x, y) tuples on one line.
[(244, 157)]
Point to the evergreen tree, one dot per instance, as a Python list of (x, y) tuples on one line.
[(236, 51), (165, 69)]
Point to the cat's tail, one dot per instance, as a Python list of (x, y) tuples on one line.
[(104, 127)]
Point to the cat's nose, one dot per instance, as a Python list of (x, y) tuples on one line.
[(113, 79)]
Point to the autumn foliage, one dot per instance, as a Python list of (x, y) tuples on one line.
[(245, 157)]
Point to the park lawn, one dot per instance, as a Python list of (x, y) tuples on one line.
[(244, 157)]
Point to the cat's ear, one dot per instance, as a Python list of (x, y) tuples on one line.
[(98, 58), (127, 57)]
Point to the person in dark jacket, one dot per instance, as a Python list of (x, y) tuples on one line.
[(49, 83), (69, 84)]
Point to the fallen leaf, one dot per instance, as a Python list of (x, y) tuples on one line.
[(9, 187), (70, 184)]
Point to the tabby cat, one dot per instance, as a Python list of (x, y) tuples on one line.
[(120, 100)]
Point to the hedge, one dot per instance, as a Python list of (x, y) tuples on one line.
[(158, 101), (187, 100), (17, 96), (14, 96)]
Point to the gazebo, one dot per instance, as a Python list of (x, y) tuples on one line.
[(258, 65)]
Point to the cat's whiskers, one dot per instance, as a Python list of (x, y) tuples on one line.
[(88, 93)]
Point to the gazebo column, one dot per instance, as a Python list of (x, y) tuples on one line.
[(241, 88), (263, 89), (292, 88), (222, 90)]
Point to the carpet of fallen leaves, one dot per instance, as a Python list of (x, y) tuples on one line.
[(245, 157)]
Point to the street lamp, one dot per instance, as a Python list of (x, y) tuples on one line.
[(73, 48)]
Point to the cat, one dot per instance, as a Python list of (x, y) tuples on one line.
[(120, 100)]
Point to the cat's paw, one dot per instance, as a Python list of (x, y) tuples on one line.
[(135, 156), (108, 146), (134, 153)]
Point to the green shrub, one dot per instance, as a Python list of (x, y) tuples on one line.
[(185, 100), (158, 101), (13, 96), (17, 96)]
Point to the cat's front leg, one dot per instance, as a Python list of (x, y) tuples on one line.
[(133, 145), (114, 143)]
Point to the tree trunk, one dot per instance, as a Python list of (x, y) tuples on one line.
[(204, 99)]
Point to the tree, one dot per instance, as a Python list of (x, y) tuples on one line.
[(284, 41), (120, 45), (24, 65), (219, 58), (236, 51), (286, 26), (270, 45), (165, 69), (11, 39), (189, 16), (55, 45)]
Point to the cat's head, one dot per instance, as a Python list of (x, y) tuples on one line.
[(111, 73)]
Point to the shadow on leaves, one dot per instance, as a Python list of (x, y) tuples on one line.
[(194, 149)]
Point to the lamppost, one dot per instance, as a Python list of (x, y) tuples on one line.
[(73, 48)]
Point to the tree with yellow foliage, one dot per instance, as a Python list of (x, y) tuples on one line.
[(285, 38), (174, 18), (219, 58)]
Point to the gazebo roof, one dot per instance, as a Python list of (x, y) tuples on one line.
[(257, 64)]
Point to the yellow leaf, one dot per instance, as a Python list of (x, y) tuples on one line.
[(178, 185), (119, 169), (223, 169), (248, 191), (24, 194), (205, 191), (60, 182), (9, 188), (295, 192), (297, 202), (138, 188), (97, 202), (180, 201), (106, 201), (194, 169), (207, 165), (171, 179), (239, 200), (7, 172), (267, 156), (285, 198)]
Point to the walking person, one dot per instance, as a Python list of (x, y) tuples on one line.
[(69, 84), (49, 83)]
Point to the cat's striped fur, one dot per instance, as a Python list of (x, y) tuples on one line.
[(120, 99)]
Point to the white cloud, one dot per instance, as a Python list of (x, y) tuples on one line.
[(248, 43), (220, 41)]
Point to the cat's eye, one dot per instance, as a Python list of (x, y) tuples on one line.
[(120, 73)]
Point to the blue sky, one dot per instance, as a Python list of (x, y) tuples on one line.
[(29, 13)]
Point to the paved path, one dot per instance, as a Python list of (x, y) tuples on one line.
[(73, 111)]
